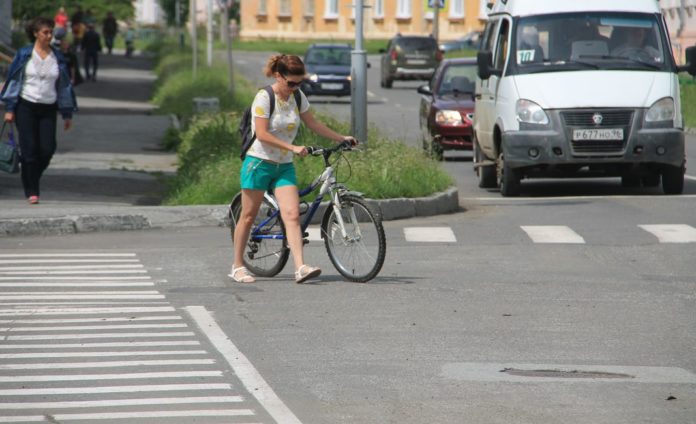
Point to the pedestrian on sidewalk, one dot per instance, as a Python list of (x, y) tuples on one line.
[(77, 26), (91, 45), (268, 164), (37, 87), (61, 18), (109, 29)]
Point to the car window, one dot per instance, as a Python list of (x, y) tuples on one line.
[(458, 78), (417, 44), (328, 56), (502, 50)]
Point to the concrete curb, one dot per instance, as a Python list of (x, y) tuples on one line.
[(88, 219)]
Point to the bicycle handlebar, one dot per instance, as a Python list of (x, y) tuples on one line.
[(345, 145)]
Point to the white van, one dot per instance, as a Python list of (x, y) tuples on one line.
[(572, 88)]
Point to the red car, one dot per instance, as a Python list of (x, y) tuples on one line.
[(447, 107)]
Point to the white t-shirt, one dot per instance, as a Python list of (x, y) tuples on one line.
[(40, 77), (284, 124)]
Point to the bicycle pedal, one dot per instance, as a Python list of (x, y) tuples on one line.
[(305, 234), (305, 241)]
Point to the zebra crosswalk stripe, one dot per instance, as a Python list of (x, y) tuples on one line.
[(552, 234)]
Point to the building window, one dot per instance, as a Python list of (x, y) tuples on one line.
[(483, 9), (285, 8), (262, 8), (308, 8), (378, 9), (331, 9), (456, 9), (403, 9)]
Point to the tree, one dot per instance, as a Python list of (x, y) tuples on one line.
[(169, 9), (24, 10)]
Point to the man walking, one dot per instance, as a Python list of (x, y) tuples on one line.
[(91, 45), (109, 30)]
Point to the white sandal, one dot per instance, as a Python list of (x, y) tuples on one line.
[(310, 272), (246, 275)]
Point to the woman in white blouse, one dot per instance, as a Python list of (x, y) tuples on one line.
[(269, 161), (38, 86)]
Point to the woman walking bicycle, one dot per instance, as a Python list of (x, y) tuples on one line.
[(268, 164)]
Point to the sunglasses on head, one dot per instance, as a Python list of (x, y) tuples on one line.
[(291, 84)]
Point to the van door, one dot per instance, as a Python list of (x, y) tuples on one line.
[(485, 110)]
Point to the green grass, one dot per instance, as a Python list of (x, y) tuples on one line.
[(688, 100), (208, 145)]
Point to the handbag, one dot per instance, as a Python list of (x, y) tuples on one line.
[(9, 153)]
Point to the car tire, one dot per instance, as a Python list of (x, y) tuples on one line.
[(388, 82), (629, 181), (508, 178), (651, 180), (486, 174), (673, 179)]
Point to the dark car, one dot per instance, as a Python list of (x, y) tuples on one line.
[(471, 40), (447, 107), (328, 70), (409, 57)]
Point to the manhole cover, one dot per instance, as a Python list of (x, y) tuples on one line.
[(563, 373)]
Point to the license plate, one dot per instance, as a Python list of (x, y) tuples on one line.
[(598, 134), (416, 61), (331, 86)]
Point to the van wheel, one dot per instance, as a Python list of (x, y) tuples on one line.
[(436, 151), (508, 179), (388, 82), (629, 181), (486, 174), (673, 179)]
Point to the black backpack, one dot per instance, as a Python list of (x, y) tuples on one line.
[(249, 137)]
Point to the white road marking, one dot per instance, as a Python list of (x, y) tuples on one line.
[(68, 267), (48, 272), (105, 364), (83, 297), (491, 372), (120, 402), (72, 311), (243, 368), (128, 415), (67, 255), (314, 233), (552, 234), (676, 233), (63, 261), (118, 376), (85, 320), (371, 94), (689, 177), (148, 284), (91, 327), (430, 234), (99, 345), (100, 354), (113, 389), (97, 336), (78, 278)]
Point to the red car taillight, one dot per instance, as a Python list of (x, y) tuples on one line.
[(394, 55)]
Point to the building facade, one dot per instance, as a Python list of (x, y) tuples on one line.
[(680, 16), (334, 19)]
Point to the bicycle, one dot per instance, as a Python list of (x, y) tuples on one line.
[(352, 229)]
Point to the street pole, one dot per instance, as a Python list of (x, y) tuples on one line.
[(194, 36), (436, 19), (228, 39), (358, 83), (209, 34)]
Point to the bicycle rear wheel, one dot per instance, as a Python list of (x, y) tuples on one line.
[(359, 255), (264, 257)]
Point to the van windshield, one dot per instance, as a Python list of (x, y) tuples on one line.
[(598, 40)]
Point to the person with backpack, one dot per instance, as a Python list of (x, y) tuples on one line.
[(276, 115)]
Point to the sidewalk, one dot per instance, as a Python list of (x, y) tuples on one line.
[(96, 181)]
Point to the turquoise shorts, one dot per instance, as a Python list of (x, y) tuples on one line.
[(258, 174)]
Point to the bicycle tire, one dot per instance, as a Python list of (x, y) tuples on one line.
[(263, 257), (360, 256)]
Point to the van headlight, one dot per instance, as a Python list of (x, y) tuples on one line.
[(313, 77), (448, 117), (531, 113), (661, 113)]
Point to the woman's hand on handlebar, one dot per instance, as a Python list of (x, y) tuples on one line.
[(300, 151), (353, 141)]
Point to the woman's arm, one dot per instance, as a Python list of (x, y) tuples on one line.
[(318, 127)]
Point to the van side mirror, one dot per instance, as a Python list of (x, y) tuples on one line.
[(690, 66), (484, 61)]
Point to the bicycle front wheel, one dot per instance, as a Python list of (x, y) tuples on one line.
[(266, 252), (359, 254)]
